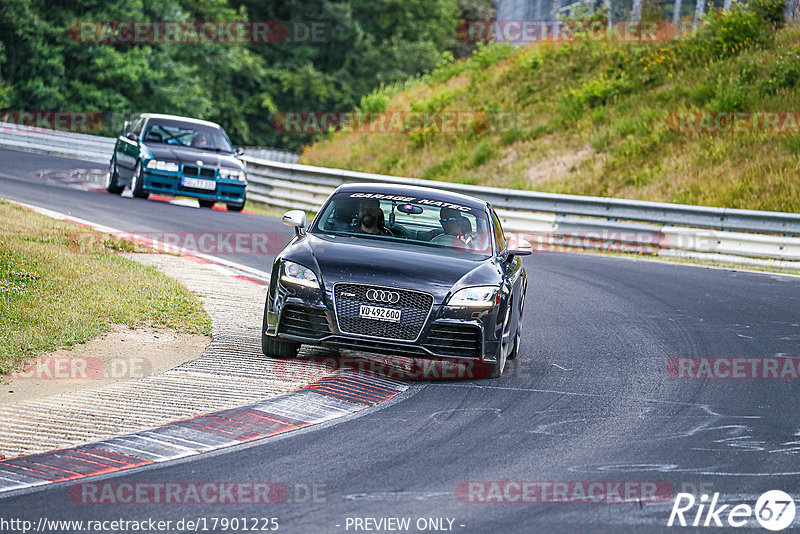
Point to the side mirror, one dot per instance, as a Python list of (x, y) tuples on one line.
[(132, 136), (296, 219), (239, 151), (523, 248)]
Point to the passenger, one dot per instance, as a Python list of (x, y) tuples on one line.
[(345, 216), (453, 223)]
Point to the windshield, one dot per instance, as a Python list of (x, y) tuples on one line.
[(187, 134), (426, 222)]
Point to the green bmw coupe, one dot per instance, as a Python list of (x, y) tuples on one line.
[(178, 156)]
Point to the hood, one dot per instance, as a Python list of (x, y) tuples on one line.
[(343, 259), (190, 156)]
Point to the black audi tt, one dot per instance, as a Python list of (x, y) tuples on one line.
[(406, 271)]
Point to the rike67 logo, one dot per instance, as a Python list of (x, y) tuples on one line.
[(774, 510)]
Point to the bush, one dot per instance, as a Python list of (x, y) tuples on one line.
[(771, 11), (483, 153), (376, 102)]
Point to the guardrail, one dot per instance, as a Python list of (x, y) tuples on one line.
[(571, 220), (545, 218), (76, 145)]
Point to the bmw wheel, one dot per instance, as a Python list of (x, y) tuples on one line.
[(137, 185), (112, 179)]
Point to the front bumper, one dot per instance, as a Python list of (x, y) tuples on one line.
[(228, 191), (308, 316)]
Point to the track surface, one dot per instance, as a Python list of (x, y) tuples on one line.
[(588, 399)]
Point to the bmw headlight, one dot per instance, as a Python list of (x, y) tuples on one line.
[(294, 273), (233, 174), (168, 166), (476, 297)]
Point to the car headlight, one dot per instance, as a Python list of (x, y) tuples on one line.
[(233, 174), (476, 297), (294, 273), (169, 166)]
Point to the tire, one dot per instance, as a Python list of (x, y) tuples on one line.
[(206, 203), (137, 185), (518, 336), (500, 361), (274, 347), (238, 207), (112, 182)]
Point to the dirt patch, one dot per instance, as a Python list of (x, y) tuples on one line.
[(120, 355), (554, 166)]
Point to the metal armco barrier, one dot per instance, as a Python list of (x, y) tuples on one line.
[(571, 220)]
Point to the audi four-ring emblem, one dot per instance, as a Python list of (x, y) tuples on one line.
[(380, 295)]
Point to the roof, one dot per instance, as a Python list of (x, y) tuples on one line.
[(178, 118), (414, 191)]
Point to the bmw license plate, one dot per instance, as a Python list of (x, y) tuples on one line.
[(197, 183), (380, 314)]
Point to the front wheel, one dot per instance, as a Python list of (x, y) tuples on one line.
[(137, 182), (275, 347), (238, 207), (505, 348), (112, 180), (518, 336)]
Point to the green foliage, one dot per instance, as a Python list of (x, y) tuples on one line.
[(771, 11), (783, 73), (374, 102), (587, 13), (364, 45), (599, 118), (483, 153)]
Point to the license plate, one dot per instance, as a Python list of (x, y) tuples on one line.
[(380, 314), (197, 183)]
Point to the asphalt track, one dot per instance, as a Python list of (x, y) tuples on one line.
[(589, 399)]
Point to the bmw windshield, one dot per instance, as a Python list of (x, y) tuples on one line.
[(422, 222), (187, 134)]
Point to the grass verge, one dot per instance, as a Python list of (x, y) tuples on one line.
[(61, 285), (601, 118)]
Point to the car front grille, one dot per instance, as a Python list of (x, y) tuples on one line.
[(204, 172), (454, 339), (304, 322), (414, 308)]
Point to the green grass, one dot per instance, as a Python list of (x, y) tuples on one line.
[(599, 118), (61, 285)]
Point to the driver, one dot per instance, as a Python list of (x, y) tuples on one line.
[(200, 140), (371, 217)]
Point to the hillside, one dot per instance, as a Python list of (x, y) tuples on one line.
[(604, 118)]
